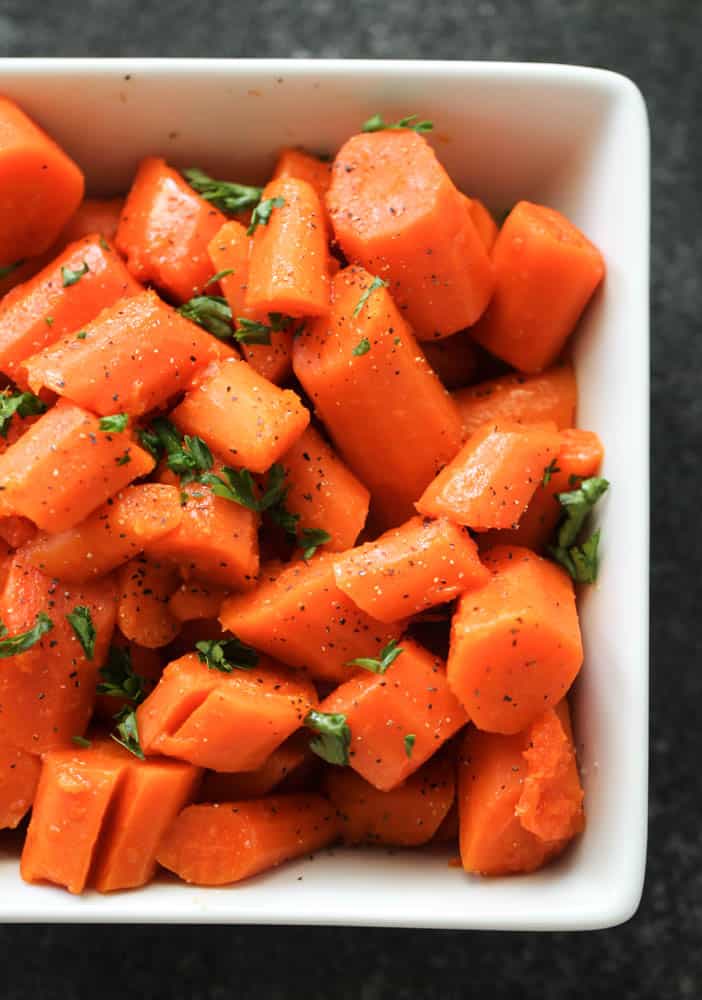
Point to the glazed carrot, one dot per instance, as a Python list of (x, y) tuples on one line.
[(484, 223), (224, 721), (298, 615), (65, 467), (229, 251), (115, 533), (493, 477), (305, 167), (515, 644), (407, 816), (145, 587), (17, 531), (40, 186), (195, 600), (546, 272), (398, 718), (396, 212), (135, 356), (447, 831), (70, 291), (245, 419), (323, 491), (370, 384), (19, 774), (47, 692), (93, 215), (282, 762), (147, 664), (524, 399), (288, 267), (454, 359), (164, 231), (230, 841), (410, 569)]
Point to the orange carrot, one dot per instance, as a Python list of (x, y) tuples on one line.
[(65, 467), (410, 569), (305, 167), (164, 231), (447, 831), (282, 762), (40, 186), (396, 212), (483, 222), (195, 709), (47, 692), (144, 616), (323, 491), (17, 531), (546, 272), (70, 291), (493, 477), (454, 358), (407, 816), (245, 419), (371, 385), (134, 356), (195, 600), (398, 718), (230, 841), (515, 645), (524, 399), (93, 215), (299, 615), (113, 535), (19, 774), (288, 267)]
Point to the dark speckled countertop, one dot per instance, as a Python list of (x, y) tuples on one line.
[(658, 955)]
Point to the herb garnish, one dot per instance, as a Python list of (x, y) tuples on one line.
[(333, 736), (387, 657), (580, 561), (375, 283), (377, 124), (226, 654), (26, 404), (20, 643), (211, 312), (9, 268), (82, 624), (262, 213), (409, 742), (115, 423), (80, 741), (120, 681), (127, 732), (550, 470), (310, 539), (227, 196), (70, 277)]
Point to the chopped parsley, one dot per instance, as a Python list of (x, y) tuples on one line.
[(361, 348), (375, 283), (220, 274), (387, 657), (333, 737), (119, 679), (70, 277), (262, 213), (409, 742), (227, 196), (82, 335), (124, 459), (550, 470), (25, 404), (20, 643), (82, 624), (211, 312), (127, 733), (80, 741), (250, 331), (9, 268), (115, 424), (310, 539), (226, 654), (377, 124), (189, 457), (581, 561)]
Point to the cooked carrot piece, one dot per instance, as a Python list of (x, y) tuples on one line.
[(145, 587), (454, 359), (195, 711), (396, 212), (246, 420), (17, 531), (546, 272), (288, 268), (323, 491), (19, 774), (407, 816), (483, 222), (164, 231), (524, 399), (280, 764), (195, 600), (493, 477), (70, 291), (134, 356), (17, 427), (65, 467), (40, 186), (47, 692), (447, 831), (371, 385), (114, 534), (299, 616), (410, 569), (93, 215), (305, 167), (398, 718), (515, 644), (230, 841)]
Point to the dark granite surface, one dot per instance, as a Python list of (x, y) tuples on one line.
[(658, 955)]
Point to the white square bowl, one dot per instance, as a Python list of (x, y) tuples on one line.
[(571, 137)]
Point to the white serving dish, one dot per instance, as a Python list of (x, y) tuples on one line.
[(571, 137)]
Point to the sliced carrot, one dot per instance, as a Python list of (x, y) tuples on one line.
[(223, 721), (399, 718), (493, 477), (515, 644), (323, 491), (288, 270), (114, 534), (70, 291), (19, 774), (484, 223), (546, 272), (454, 359), (164, 231), (246, 420), (299, 616), (145, 587), (41, 186), (65, 467), (195, 600), (524, 399), (396, 212), (371, 385), (279, 765), (230, 841), (305, 167), (410, 568), (407, 816), (93, 215), (134, 356), (47, 692)]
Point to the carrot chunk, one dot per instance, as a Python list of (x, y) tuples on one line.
[(19, 774), (305, 167), (454, 359), (93, 215), (195, 600), (283, 762), (523, 399), (483, 222), (144, 616)]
